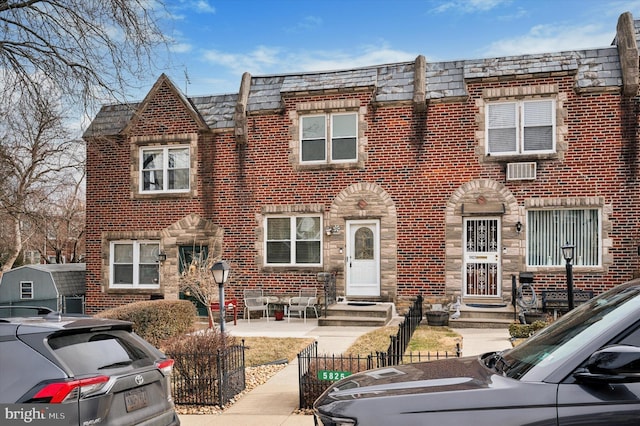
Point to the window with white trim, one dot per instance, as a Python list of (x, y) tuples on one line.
[(329, 138), (293, 240), (549, 230), (134, 264), (524, 127), (164, 169), (26, 290)]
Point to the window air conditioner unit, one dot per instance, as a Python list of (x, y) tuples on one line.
[(521, 171)]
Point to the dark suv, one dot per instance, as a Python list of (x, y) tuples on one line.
[(583, 369), (81, 371)]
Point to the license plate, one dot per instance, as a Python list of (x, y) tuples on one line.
[(136, 399)]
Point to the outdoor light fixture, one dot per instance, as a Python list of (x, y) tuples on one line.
[(334, 229), (162, 256), (567, 253), (519, 227), (220, 271)]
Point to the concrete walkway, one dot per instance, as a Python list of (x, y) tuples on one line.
[(273, 403)]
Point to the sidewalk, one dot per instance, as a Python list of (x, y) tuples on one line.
[(273, 403)]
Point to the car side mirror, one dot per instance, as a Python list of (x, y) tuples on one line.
[(613, 364)]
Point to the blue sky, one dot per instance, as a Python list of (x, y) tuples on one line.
[(215, 41)]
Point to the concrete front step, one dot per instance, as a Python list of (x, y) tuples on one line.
[(483, 317), (472, 313), (357, 315), (360, 310), (350, 321), (479, 323)]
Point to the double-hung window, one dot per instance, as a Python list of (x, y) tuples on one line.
[(293, 240), (134, 264), (164, 169), (329, 138), (524, 127), (549, 230)]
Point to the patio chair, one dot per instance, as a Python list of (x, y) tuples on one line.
[(254, 300), (305, 300)]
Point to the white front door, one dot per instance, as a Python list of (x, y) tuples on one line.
[(363, 258), (482, 257)]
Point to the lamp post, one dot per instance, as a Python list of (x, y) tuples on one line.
[(567, 252), (220, 271)]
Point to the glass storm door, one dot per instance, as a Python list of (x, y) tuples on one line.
[(363, 258), (482, 257)]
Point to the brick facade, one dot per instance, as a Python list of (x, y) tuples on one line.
[(422, 169)]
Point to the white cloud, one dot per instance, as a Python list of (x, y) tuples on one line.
[(306, 24), (203, 6), (552, 38), (469, 6), (180, 47), (258, 61), (272, 60)]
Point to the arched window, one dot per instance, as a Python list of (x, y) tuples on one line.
[(363, 244)]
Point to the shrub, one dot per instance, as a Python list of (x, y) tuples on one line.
[(205, 341), (520, 331), (156, 320), (195, 369)]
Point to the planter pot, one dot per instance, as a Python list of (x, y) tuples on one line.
[(279, 315), (437, 318)]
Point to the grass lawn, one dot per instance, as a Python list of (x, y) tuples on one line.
[(264, 350), (426, 339)]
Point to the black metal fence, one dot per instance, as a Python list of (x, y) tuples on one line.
[(208, 378), (317, 372), (400, 341)]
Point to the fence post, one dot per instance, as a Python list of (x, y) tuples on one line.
[(304, 366), (220, 384)]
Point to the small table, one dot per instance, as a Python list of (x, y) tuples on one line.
[(279, 304)]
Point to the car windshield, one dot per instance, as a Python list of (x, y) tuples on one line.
[(88, 353), (555, 343)]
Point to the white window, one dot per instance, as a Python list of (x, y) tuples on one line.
[(549, 230), (330, 138), (31, 256), (134, 264), (26, 289), (293, 240), (164, 169), (526, 127)]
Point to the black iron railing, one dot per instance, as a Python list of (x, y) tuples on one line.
[(208, 378), (317, 372), (329, 281)]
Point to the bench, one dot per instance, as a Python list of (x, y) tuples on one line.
[(231, 304), (557, 300)]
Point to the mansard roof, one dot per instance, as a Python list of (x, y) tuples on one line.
[(594, 69)]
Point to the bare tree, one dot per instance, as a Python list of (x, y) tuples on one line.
[(61, 226), (196, 280), (88, 50), (37, 159)]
